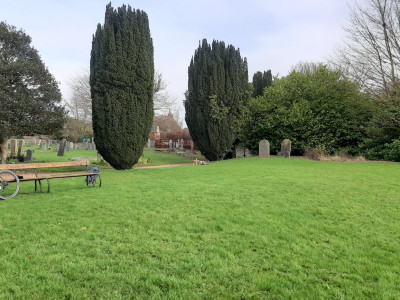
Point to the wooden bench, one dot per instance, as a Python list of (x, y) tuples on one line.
[(11, 174)]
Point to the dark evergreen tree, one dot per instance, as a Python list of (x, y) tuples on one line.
[(217, 94), (29, 95), (260, 82), (121, 80)]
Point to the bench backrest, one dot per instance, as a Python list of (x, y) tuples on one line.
[(43, 165)]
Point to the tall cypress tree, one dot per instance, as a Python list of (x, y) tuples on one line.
[(260, 82), (121, 81), (217, 94)]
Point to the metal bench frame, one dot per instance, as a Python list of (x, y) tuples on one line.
[(6, 168)]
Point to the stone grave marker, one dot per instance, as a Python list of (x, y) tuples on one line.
[(13, 148), (286, 148), (20, 144), (263, 149), (29, 155), (61, 150), (239, 150), (67, 146)]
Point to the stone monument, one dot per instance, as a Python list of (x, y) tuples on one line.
[(263, 149)]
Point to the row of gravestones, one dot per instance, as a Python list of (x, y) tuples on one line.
[(64, 145), (264, 149)]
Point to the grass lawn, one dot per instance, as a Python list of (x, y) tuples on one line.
[(240, 229), (148, 158)]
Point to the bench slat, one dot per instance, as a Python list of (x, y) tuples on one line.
[(56, 176), (43, 165)]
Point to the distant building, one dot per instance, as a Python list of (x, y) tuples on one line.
[(164, 124)]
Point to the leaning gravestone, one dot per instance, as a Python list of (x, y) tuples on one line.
[(13, 148), (61, 150), (263, 149), (286, 148), (29, 155)]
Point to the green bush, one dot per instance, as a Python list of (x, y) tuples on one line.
[(392, 151)]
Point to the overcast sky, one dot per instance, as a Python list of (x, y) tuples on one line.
[(272, 34)]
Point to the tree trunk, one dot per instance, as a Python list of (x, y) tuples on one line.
[(3, 150)]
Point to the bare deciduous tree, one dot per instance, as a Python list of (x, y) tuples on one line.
[(371, 54), (162, 100), (79, 101)]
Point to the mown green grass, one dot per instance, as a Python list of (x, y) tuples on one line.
[(249, 228), (148, 158)]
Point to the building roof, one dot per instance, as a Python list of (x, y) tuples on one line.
[(165, 124)]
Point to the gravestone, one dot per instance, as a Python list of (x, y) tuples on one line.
[(45, 147), (170, 145), (57, 147), (242, 152), (61, 150), (239, 150), (71, 145), (13, 148), (286, 148), (87, 146), (247, 153), (152, 143), (182, 144), (20, 144), (29, 155), (263, 149), (40, 144), (67, 146), (148, 143)]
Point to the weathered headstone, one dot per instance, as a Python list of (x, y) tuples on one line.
[(45, 147), (247, 153), (263, 149), (13, 148), (20, 144), (148, 143), (181, 145), (67, 146), (152, 143), (40, 144), (29, 155), (242, 152), (286, 148), (170, 145), (71, 145), (61, 150), (239, 150)]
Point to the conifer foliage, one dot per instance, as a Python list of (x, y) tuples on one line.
[(260, 82), (217, 94), (121, 81)]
